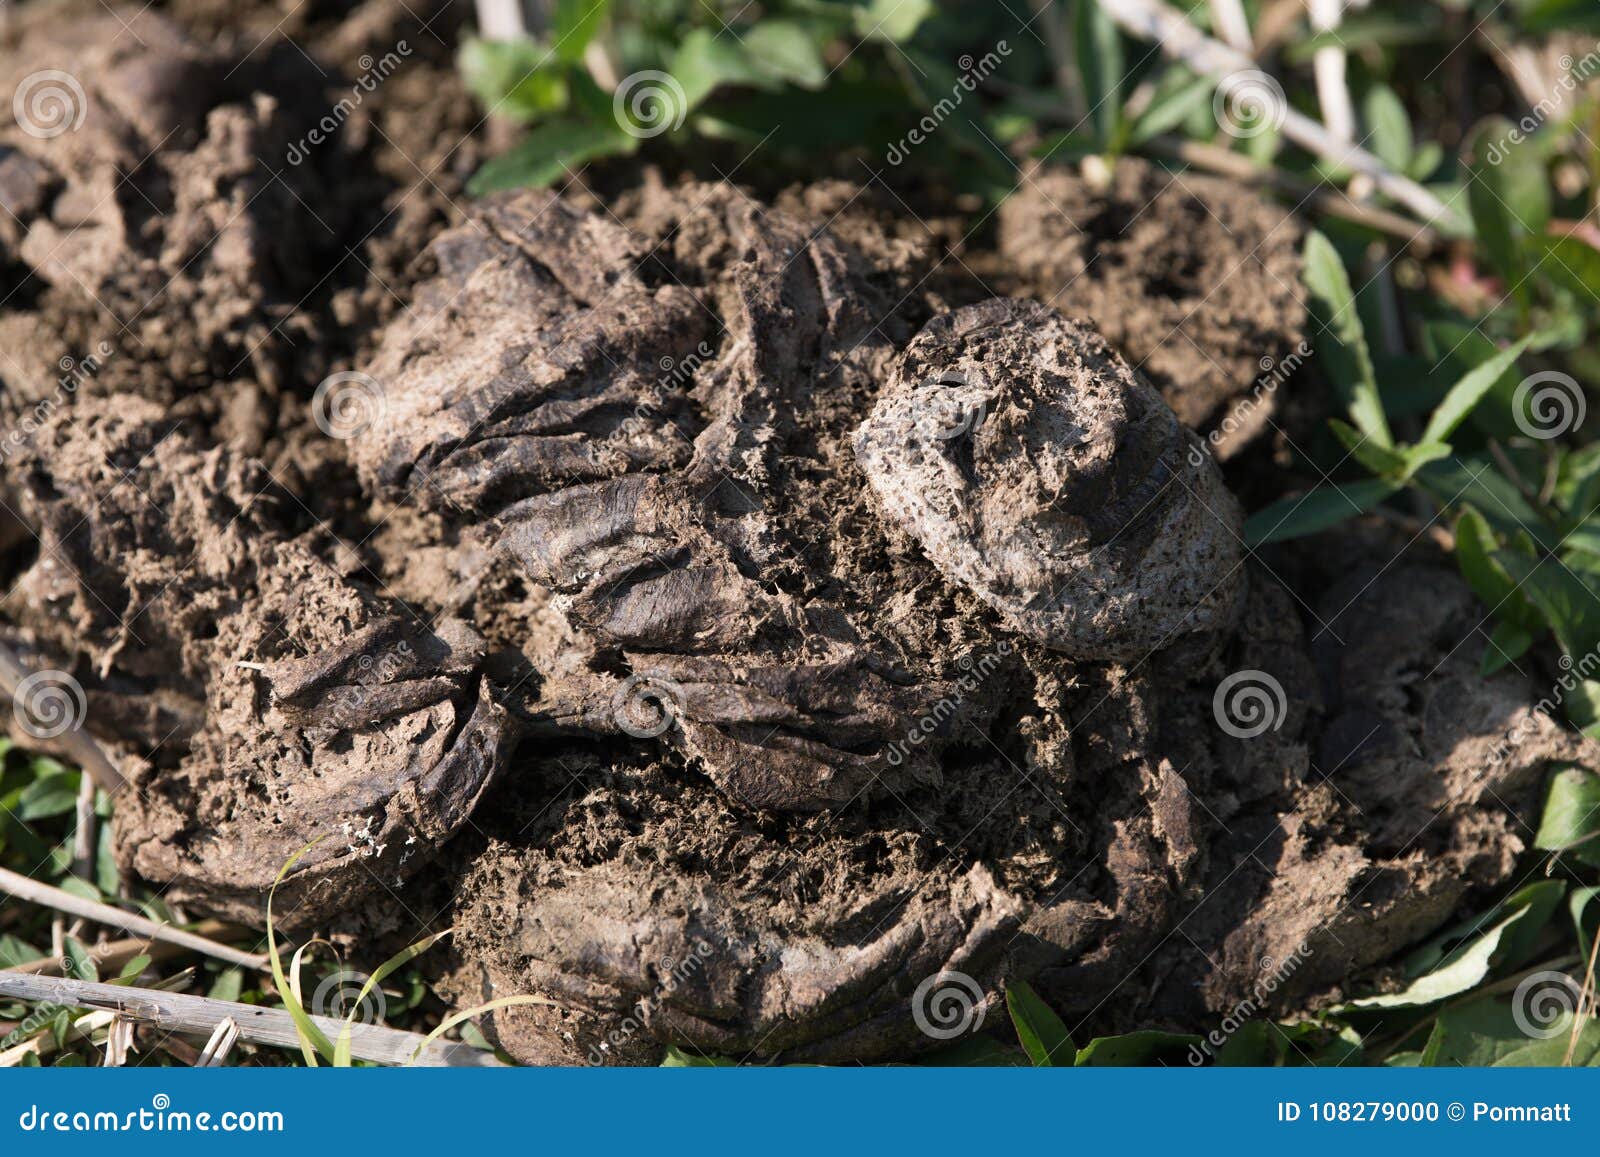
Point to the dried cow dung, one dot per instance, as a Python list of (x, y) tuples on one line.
[(1194, 280), (864, 656), (315, 709)]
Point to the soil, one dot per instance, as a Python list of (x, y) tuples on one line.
[(745, 613)]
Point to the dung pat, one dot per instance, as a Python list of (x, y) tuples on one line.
[(1040, 471)]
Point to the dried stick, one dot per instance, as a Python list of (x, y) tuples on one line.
[(113, 954), (20, 886), (1228, 18), (44, 1043), (200, 1016), (1328, 66), (75, 743), (1153, 20), (1334, 203)]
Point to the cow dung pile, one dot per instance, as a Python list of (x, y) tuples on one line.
[(728, 634)]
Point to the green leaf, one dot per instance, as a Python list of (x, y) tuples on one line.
[(1425, 161), (106, 876), (1316, 510), (1476, 479), (14, 951), (1571, 820), (705, 62), (50, 795), (1558, 1051), (228, 985), (548, 153), (573, 25), (1570, 608), (1461, 970), (1385, 461), (1535, 902), (1044, 1037), (1465, 395), (676, 1058), (1099, 48), (1475, 1034), (80, 963), (784, 50), (1175, 99), (312, 1039), (1496, 589), (518, 79), (1584, 929), (1145, 1047), (1574, 263), (1509, 195), (1389, 125), (1344, 345), (1507, 643), (894, 20)]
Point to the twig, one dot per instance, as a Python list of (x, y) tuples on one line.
[(44, 1043), (1329, 201), (83, 833), (1153, 20), (113, 954), (200, 1015), (33, 891), (75, 743), (1228, 18), (119, 1042), (1586, 1003), (1328, 66), (223, 1038)]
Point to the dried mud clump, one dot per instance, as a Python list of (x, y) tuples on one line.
[(1195, 281), (852, 649), (138, 194), (655, 424), (282, 703), (1040, 472), (807, 559)]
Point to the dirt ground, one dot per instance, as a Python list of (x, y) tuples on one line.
[(625, 590)]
